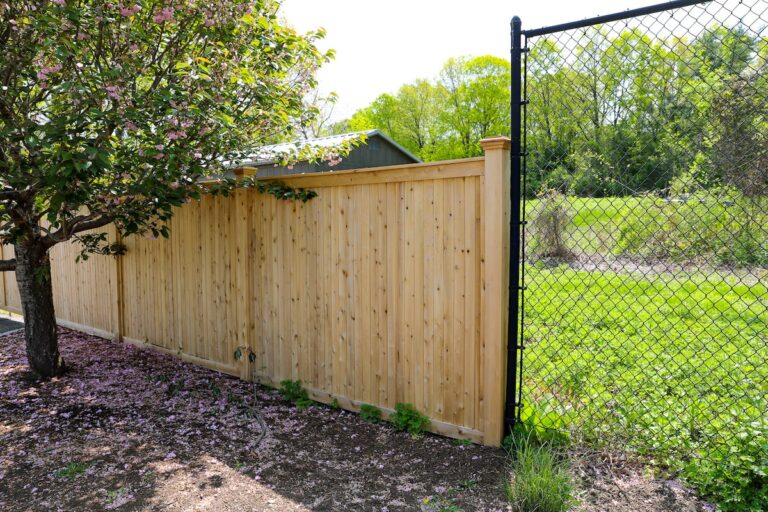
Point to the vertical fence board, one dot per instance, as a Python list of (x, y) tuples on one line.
[(373, 292)]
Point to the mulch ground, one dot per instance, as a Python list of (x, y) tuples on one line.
[(132, 429)]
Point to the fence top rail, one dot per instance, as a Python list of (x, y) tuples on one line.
[(597, 20), (463, 168)]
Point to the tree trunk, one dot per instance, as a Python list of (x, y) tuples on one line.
[(33, 275)]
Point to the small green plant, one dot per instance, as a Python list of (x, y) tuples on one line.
[(370, 413), (334, 405), (736, 473), (439, 504), (71, 470), (407, 419), (303, 403), (158, 378), (539, 478), (214, 389), (293, 391), (116, 493), (538, 425), (461, 442), (174, 387), (445, 499), (239, 354)]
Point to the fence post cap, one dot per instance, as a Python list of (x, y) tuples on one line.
[(499, 142), (242, 172)]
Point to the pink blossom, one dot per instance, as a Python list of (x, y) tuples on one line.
[(165, 15), (81, 36), (130, 11), (131, 126), (198, 155), (60, 2), (159, 156), (208, 22), (43, 73), (113, 92), (180, 134)]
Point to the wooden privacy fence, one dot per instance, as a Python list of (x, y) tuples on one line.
[(389, 286)]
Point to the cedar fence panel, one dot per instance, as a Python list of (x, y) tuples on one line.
[(389, 286)]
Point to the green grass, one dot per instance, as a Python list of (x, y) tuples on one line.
[(539, 479), (669, 367), (660, 360), (596, 222)]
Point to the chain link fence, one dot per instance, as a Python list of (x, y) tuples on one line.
[(645, 249)]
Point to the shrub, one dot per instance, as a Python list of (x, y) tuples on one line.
[(550, 221), (735, 474), (370, 413), (539, 478), (407, 419), (718, 225)]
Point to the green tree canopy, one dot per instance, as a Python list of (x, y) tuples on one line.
[(111, 113)]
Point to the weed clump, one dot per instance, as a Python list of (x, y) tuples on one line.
[(539, 478), (370, 413), (407, 419), (293, 391)]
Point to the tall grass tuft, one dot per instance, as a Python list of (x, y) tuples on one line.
[(539, 479)]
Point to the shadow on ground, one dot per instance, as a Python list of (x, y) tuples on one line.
[(131, 429)]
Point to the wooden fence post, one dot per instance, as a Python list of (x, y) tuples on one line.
[(495, 284), (119, 305)]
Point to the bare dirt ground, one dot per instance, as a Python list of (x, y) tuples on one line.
[(131, 429), (610, 483)]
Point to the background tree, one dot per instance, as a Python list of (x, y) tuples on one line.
[(410, 117), (111, 112), (610, 114), (477, 101)]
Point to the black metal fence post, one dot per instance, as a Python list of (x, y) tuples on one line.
[(511, 405)]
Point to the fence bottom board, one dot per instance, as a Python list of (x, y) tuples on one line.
[(436, 427), (10, 311), (199, 361)]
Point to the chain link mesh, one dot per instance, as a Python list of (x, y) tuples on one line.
[(646, 241)]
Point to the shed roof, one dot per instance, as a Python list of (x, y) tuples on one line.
[(272, 154)]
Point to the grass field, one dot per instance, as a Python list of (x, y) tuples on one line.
[(670, 365)]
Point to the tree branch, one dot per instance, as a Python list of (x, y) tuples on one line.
[(77, 225), (85, 224)]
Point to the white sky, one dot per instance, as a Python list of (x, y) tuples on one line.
[(381, 45)]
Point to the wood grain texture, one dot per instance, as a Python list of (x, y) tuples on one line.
[(387, 287)]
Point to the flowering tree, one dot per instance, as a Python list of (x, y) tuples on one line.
[(112, 110)]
